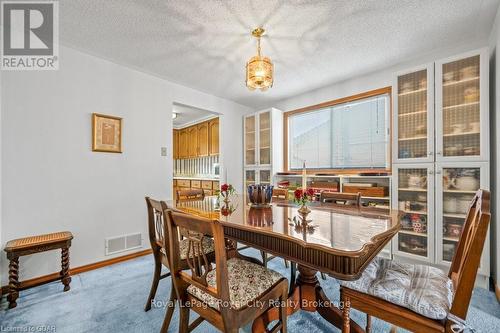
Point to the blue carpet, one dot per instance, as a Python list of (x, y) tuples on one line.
[(111, 299)]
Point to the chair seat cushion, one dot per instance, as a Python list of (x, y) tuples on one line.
[(423, 289), (247, 281), (207, 243)]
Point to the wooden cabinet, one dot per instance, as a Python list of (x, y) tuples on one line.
[(203, 139), (213, 130), (199, 140), (196, 184), (183, 143), (209, 186), (176, 144)]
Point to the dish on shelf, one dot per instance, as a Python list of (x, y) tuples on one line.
[(452, 229)]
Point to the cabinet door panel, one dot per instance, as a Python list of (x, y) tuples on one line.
[(414, 195), (183, 143), (214, 136), (250, 140), (461, 100), (455, 188), (192, 141), (265, 138), (414, 116), (203, 139)]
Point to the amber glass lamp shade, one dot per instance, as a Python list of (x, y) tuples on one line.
[(259, 73)]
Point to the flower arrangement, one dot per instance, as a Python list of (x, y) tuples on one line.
[(226, 190), (227, 210), (302, 197)]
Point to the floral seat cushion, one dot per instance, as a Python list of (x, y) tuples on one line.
[(207, 243), (247, 281), (423, 289)]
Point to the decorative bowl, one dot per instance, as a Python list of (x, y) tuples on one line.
[(260, 195)]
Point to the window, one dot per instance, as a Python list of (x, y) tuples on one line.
[(352, 134)]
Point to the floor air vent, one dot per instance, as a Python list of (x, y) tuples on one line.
[(123, 243)]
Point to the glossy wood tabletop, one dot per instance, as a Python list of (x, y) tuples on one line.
[(332, 227)]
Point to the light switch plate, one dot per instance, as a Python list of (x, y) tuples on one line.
[(163, 151)]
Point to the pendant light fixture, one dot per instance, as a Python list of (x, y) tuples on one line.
[(259, 69)]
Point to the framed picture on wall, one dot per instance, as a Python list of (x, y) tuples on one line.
[(106, 133)]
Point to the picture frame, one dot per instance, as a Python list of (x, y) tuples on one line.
[(106, 133)]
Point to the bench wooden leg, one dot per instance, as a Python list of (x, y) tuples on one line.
[(65, 278), (13, 282)]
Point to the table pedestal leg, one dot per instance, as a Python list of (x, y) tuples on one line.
[(308, 296), (65, 278), (13, 282)]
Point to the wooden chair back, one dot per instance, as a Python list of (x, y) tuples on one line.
[(195, 229), (346, 199), (467, 257), (190, 194), (158, 230)]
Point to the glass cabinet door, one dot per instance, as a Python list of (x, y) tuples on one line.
[(413, 188), (265, 177), (250, 140), (414, 114), (265, 138), (456, 188), (459, 93)]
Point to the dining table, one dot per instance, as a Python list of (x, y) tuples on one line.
[(332, 239)]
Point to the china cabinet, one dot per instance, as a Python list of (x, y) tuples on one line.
[(441, 111), (263, 146), (440, 142)]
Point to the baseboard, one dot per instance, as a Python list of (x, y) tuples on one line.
[(497, 291), (77, 270)]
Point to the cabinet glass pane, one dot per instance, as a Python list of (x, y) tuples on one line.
[(461, 121), (412, 115), (265, 137), (412, 196), (459, 186), (265, 176), (249, 177), (250, 140)]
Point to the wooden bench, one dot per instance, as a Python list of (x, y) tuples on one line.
[(36, 244)]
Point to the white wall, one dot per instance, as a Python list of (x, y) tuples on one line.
[(52, 179), (369, 81)]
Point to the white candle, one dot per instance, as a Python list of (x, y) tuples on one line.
[(304, 177)]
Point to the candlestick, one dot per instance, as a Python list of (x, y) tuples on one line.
[(304, 177)]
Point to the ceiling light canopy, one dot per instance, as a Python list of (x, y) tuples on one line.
[(174, 115), (259, 69)]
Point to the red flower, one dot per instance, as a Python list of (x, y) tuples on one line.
[(224, 187), (298, 194), (310, 192), (225, 211)]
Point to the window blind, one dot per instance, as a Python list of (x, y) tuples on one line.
[(345, 136)]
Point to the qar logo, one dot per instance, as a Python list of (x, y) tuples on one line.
[(30, 33)]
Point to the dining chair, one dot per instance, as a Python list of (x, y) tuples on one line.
[(190, 194), (158, 237), (229, 295), (422, 298), (340, 198)]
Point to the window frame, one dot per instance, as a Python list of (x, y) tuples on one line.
[(372, 93)]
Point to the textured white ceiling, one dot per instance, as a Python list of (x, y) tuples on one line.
[(187, 115), (204, 44)]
